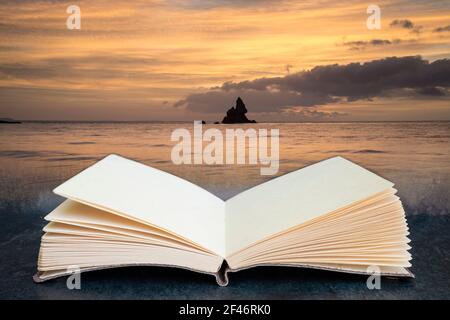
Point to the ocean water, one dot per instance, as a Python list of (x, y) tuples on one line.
[(35, 157)]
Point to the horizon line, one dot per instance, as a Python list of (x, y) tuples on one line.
[(212, 122)]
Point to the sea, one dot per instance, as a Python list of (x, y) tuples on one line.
[(35, 157)]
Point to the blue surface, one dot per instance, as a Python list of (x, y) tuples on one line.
[(20, 237)]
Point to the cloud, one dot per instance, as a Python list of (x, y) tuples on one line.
[(104, 66), (432, 91), (211, 4), (362, 44), (393, 77), (217, 101), (298, 114), (442, 29), (406, 24), (376, 43)]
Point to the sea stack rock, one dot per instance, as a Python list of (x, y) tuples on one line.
[(237, 114)]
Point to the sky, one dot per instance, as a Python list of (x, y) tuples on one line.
[(186, 60)]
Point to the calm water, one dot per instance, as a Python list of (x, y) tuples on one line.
[(36, 157)]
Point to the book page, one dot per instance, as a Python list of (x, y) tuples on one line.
[(295, 198), (131, 189)]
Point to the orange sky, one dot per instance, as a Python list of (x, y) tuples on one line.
[(133, 60)]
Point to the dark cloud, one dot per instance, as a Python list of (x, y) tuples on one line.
[(431, 91), (393, 76), (442, 29), (216, 101), (360, 45), (406, 24), (376, 43)]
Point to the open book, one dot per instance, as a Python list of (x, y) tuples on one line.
[(332, 215)]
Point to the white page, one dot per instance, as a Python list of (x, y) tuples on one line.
[(295, 198), (127, 187)]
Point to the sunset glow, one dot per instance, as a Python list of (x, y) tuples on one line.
[(138, 60)]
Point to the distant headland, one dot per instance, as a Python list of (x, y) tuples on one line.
[(8, 120)]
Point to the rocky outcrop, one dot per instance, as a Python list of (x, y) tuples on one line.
[(237, 114)]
